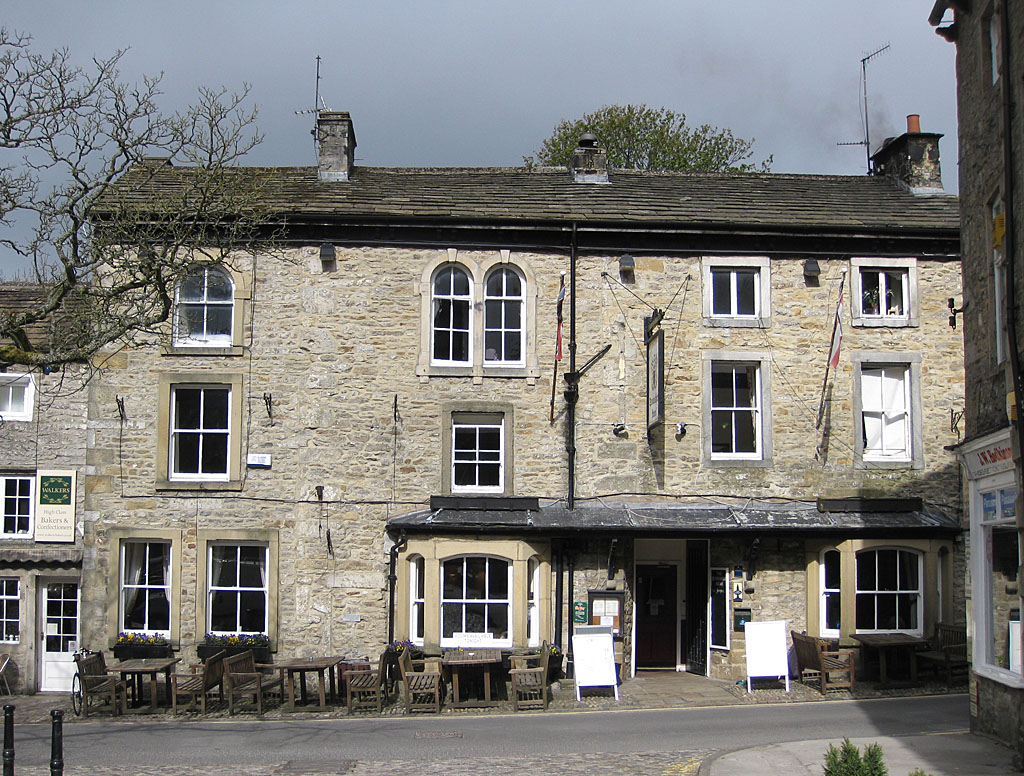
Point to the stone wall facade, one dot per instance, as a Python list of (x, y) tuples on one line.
[(330, 384)]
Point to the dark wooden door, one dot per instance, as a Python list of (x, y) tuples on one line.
[(697, 607), (656, 616)]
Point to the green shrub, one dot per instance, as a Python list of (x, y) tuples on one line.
[(848, 761)]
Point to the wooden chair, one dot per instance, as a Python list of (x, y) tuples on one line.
[(199, 682), (834, 669), (530, 683), (367, 689), (947, 650), (5, 662), (243, 677), (97, 685), (423, 689)]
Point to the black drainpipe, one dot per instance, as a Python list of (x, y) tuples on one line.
[(572, 390), (396, 548)]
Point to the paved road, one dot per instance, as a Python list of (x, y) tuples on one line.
[(671, 741)]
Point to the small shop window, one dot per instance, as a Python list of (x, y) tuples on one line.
[(720, 608)]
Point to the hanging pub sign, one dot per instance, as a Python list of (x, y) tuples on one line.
[(655, 379), (55, 506)]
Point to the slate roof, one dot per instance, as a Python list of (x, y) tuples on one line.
[(791, 518), (16, 298), (725, 201)]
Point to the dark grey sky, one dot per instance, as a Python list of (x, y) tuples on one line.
[(483, 82)]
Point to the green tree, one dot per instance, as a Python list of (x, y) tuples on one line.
[(637, 137), (105, 270)]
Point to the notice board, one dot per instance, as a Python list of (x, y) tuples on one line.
[(766, 650), (593, 655)]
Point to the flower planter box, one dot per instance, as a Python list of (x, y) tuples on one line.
[(136, 651), (260, 654)]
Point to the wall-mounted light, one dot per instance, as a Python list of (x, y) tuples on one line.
[(619, 429), (319, 492), (627, 268), (954, 311), (811, 269), (327, 252), (680, 430)]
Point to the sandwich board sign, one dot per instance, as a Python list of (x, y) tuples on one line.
[(766, 650), (593, 655)]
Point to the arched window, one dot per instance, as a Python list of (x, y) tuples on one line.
[(451, 316), (204, 308), (503, 318), (889, 591), (831, 594), (416, 612), (476, 607)]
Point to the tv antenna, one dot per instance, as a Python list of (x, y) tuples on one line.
[(866, 142), (318, 104)]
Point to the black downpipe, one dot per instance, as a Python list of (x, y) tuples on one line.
[(396, 548), (558, 598), (1009, 234), (572, 390)]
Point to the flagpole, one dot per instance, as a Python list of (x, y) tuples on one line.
[(831, 347), (558, 345)]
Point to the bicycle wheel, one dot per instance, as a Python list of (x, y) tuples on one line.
[(76, 694)]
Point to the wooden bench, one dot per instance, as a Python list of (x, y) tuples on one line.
[(833, 668), (199, 682), (947, 650), (242, 676), (96, 684)]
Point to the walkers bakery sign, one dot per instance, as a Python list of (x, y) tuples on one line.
[(55, 506)]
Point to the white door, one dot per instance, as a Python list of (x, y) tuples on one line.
[(58, 607)]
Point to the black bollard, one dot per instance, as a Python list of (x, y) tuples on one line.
[(57, 744), (8, 741)]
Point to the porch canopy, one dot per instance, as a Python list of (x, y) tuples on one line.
[(865, 517)]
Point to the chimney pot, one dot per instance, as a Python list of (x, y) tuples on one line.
[(914, 124)]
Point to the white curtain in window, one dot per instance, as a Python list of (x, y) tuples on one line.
[(134, 563)]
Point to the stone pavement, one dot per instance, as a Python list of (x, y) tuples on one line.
[(938, 755)]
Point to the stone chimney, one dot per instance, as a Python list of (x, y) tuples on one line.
[(336, 145), (912, 159), (589, 163)]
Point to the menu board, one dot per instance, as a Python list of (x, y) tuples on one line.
[(766, 650), (593, 657)]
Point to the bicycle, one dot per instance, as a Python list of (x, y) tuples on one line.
[(77, 698)]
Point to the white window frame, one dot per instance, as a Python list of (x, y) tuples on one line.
[(22, 495), (10, 610), (203, 302), (176, 434), (726, 600), (9, 383), (885, 413), (761, 267), (452, 299), (911, 362), (506, 302), (983, 520), (417, 599), (237, 589), (455, 640), (755, 410), (824, 592), (145, 587), (900, 590), (477, 423), (906, 268), (533, 601)]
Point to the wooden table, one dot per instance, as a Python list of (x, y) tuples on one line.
[(132, 671), (304, 665), (891, 643), (460, 663)]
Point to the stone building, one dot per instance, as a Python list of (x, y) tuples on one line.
[(42, 460), (365, 435), (989, 38)]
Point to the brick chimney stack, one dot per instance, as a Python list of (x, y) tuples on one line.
[(336, 144), (912, 159), (589, 163)]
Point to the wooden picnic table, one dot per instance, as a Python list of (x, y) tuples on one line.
[(133, 671), (303, 666), (461, 663), (889, 644)]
